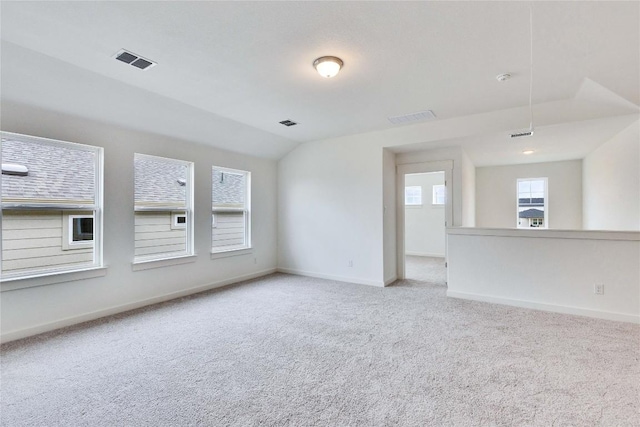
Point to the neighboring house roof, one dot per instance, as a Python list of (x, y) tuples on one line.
[(63, 174), (55, 174), (158, 182), (531, 213), (228, 189)]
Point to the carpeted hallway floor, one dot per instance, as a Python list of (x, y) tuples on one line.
[(294, 351)]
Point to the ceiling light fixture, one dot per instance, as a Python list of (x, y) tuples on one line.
[(527, 152), (328, 66)]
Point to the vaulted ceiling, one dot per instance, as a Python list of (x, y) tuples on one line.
[(228, 72)]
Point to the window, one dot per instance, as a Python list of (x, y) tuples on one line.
[(51, 206), (532, 203), (413, 195), (163, 208), (231, 214), (439, 194)]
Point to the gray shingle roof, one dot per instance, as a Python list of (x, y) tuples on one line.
[(157, 181), (228, 189), (55, 173), (531, 213)]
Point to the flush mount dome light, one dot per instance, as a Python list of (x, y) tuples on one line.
[(328, 66)]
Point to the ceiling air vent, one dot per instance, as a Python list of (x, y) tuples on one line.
[(412, 117), (288, 123), (134, 60)]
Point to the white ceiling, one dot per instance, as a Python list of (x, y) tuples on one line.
[(228, 72)]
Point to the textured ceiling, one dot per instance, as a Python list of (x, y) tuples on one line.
[(247, 65)]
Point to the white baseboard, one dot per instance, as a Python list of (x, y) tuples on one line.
[(390, 280), (331, 277), (410, 253), (69, 321), (621, 317)]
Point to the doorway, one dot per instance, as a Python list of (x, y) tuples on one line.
[(424, 210), (424, 217)]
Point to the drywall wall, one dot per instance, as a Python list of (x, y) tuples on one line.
[(389, 212), (37, 309), (468, 191), (611, 183), (424, 224), (496, 193), (534, 270)]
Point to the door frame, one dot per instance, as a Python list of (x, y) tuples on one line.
[(445, 166)]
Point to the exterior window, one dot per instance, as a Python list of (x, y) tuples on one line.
[(413, 195), (51, 206), (439, 194), (163, 208), (532, 203), (231, 214)]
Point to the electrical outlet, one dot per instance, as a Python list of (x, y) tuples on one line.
[(350, 263), (598, 289)]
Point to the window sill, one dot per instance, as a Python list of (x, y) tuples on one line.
[(148, 264), (231, 252), (15, 283)]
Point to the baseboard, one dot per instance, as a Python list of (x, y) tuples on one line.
[(390, 280), (74, 320), (430, 255), (330, 277), (608, 315)]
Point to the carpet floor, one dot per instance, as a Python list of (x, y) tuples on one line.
[(294, 351)]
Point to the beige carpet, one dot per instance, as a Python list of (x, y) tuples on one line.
[(295, 351)]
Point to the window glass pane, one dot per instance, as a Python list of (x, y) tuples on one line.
[(230, 214), (57, 174), (160, 182), (228, 189), (413, 195), (49, 199), (531, 203), (161, 188)]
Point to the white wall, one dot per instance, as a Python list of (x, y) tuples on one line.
[(38, 309), (496, 196), (468, 191), (611, 192), (424, 224), (548, 270), (389, 212)]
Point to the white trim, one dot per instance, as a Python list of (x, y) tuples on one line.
[(147, 264), (69, 321), (231, 253), (546, 233), (545, 207), (430, 255), (331, 277), (12, 284), (608, 315), (390, 280)]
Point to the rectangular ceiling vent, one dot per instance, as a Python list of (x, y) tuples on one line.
[(412, 117), (288, 123), (134, 60)]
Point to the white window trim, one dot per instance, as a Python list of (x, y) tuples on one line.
[(189, 253), (175, 225), (52, 276), (246, 210), (67, 231), (546, 203)]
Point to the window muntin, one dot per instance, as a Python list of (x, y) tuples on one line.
[(231, 214), (439, 194), (532, 202), (163, 193), (62, 179), (413, 195)]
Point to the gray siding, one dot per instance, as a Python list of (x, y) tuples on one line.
[(228, 231), (154, 234), (32, 240)]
